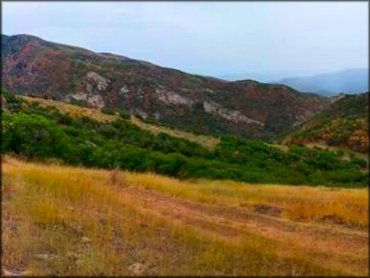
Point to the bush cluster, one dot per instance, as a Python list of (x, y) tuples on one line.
[(45, 133)]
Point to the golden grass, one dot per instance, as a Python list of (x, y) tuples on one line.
[(72, 110), (305, 203), (96, 114), (60, 220), (206, 141)]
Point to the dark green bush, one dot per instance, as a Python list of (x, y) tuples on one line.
[(108, 111)]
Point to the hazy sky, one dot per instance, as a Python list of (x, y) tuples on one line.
[(211, 38)]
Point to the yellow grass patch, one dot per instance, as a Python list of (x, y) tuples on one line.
[(60, 220), (206, 141), (304, 203), (73, 110)]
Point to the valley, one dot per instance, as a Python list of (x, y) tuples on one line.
[(113, 166), (344, 124)]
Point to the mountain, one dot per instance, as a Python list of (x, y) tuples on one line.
[(348, 81), (265, 76), (344, 123), (35, 67)]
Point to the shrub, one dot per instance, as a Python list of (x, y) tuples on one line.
[(33, 136), (108, 111)]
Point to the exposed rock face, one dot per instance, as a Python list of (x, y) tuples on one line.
[(96, 80), (170, 98), (78, 96), (39, 68), (234, 116), (123, 91), (95, 85), (91, 99), (96, 100), (140, 113)]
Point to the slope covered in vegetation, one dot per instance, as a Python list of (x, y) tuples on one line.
[(110, 115), (59, 220), (44, 133), (345, 123)]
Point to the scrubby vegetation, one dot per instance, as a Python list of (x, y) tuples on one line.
[(37, 132), (345, 123)]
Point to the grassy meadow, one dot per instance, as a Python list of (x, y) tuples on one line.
[(62, 220)]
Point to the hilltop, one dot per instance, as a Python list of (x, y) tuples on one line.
[(35, 67)]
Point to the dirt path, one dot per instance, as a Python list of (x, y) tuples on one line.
[(337, 247)]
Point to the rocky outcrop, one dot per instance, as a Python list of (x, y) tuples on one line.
[(230, 115), (95, 100), (95, 80), (95, 85), (172, 98), (92, 100), (139, 112), (123, 91)]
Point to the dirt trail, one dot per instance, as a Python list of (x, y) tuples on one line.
[(337, 247)]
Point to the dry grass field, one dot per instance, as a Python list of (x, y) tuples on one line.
[(60, 220), (72, 110), (206, 141)]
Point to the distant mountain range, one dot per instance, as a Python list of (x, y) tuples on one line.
[(351, 81), (35, 67), (265, 76)]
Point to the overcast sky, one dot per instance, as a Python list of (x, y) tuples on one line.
[(211, 38)]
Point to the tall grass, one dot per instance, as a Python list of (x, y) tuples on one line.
[(304, 203), (60, 220)]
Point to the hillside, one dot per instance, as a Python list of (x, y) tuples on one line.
[(82, 136), (59, 220), (329, 84), (111, 116), (35, 67), (343, 124)]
